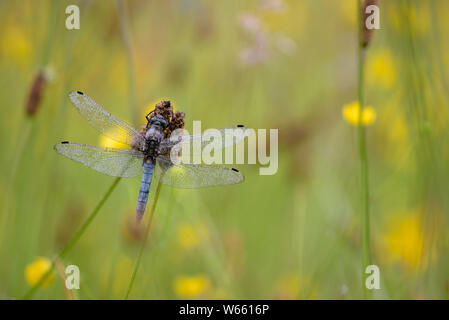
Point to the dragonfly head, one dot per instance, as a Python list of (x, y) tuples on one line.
[(157, 121)]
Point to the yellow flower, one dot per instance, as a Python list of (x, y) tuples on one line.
[(404, 242), (188, 237), (381, 69), (351, 113), (107, 142), (189, 287), (35, 270), (15, 45)]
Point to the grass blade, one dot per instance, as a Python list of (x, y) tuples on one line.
[(364, 195)]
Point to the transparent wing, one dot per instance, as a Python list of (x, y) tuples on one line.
[(104, 122), (113, 162), (224, 138), (195, 175)]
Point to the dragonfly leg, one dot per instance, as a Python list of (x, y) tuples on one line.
[(148, 117)]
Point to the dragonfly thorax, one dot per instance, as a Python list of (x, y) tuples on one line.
[(154, 134)]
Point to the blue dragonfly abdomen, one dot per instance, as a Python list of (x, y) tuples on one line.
[(147, 175)]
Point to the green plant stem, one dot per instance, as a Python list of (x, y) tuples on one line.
[(142, 246), (74, 240), (123, 20), (364, 195)]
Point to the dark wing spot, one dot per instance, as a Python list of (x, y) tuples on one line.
[(240, 126), (64, 142), (80, 93), (234, 169)]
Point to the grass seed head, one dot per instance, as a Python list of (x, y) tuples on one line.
[(367, 34), (35, 94)]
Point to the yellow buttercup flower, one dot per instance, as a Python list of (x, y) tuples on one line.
[(189, 287), (351, 113), (16, 45), (107, 142), (188, 236), (381, 69), (35, 270), (404, 242)]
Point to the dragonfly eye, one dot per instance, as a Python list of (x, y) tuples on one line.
[(158, 120)]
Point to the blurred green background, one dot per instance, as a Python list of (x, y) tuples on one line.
[(283, 64)]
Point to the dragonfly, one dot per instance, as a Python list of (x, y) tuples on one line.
[(149, 150)]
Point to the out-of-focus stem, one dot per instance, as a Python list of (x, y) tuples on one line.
[(364, 194), (61, 272)]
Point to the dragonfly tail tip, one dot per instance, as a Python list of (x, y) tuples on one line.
[(139, 215)]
